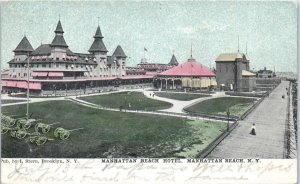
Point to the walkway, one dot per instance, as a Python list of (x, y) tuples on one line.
[(178, 105), (95, 106), (269, 118)]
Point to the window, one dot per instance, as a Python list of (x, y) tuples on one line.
[(49, 65), (57, 65), (43, 65)]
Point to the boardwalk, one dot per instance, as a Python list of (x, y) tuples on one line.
[(269, 118)]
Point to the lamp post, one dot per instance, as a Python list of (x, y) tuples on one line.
[(228, 114), (27, 108)]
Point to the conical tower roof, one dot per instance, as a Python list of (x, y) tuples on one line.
[(98, 45), (24, 46), (119, 52), (59, 40), (98, 33), (59, 28), (173, 61)]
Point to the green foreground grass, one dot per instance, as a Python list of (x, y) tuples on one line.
[(219, 106), (11, 101), (111, 134), (180, 96), (128, 100)]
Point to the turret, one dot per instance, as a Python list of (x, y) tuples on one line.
[(99, 51), (173, 61), (59, 46), (98, 46), (120, 59), (22, 50), (59, 40)]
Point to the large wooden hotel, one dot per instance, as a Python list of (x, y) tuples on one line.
[(56, 70)]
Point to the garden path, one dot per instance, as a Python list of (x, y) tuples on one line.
[(178, 105)]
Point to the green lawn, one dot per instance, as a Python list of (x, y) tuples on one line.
[(110, 134), (219, 106), (180, 96), (129, 100), (11, 101)]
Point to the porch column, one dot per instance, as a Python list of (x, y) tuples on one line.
[(167, 84), (160, 83), (173, 84)]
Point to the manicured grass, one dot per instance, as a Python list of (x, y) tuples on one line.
[(128, 100), (219, 106), (180, 96), (11, 101), (109, 134)]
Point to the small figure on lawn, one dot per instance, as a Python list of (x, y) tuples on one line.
[(253, 130)]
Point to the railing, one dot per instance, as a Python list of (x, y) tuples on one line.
[(286, 145), (206, 151), (218, 117), (247, 94), (251, 108)]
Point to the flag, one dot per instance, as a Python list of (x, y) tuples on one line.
[(145, 49)]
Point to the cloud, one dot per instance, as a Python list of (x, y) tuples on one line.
[(211, 26)]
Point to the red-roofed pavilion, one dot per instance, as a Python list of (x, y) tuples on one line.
[(190, 74)]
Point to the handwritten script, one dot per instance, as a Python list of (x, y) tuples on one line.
[(94, 171)]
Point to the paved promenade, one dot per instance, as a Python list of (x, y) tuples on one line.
[(269, 118)]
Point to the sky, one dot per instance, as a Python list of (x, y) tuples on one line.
[(269, 29)]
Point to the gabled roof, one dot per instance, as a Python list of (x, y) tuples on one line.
[(98, 45), (246, 73), (229, 57), (190, 68), (247, 57), (119, 52), (59, 28), (24, 46), (173, 61), (45, 49)]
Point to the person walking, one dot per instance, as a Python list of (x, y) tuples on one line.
[(253, 132)]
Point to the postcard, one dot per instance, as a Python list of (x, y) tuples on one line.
[(148, 91)]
